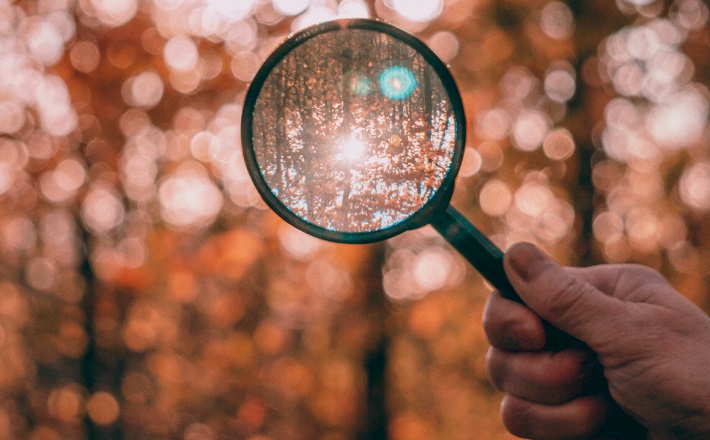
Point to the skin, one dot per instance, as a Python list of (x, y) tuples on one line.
[(641, 371)]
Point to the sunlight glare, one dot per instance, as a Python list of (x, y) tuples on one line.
[(353, 148)]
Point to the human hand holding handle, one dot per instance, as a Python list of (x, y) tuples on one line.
[(648, 351)]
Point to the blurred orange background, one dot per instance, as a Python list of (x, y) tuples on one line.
[(147, 292)]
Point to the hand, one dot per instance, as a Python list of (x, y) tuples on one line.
[(651, 344)]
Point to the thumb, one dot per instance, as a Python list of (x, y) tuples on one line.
[(560, 298)]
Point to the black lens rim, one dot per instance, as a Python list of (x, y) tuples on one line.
[(439, 201)]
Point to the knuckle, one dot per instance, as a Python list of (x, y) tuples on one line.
[(517, 417), (498, 328), (565, 385), (566, 299), (594, 415), (640, 274), (490, 321), (494, 368), (560, 379)]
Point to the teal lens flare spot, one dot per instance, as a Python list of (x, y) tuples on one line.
[(397, 83), (358, 83)]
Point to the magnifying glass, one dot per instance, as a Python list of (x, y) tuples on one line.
[(353, 131)]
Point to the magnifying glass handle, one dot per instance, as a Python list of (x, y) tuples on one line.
[(487, 258)]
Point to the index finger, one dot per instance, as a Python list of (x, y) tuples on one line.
[(511, 326)]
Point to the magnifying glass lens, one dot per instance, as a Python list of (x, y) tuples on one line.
[(353, 131)]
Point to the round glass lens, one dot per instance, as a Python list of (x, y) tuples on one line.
[(353, 130)]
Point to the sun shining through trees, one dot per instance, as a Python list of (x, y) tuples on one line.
[(352, 148), (147, 292)]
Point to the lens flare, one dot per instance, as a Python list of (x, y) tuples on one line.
[(397, 83), (358, 84)]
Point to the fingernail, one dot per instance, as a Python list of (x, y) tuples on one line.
[(524, 259)]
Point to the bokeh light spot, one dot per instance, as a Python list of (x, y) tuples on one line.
[(643, 229), (530, 129), (12, 117), (232, 10), (432, 269), (103, 408), (608, 227), (56, 114), (690, 14), (418, 10), (41, 273), (491, 156), (560, 83), (314, 15), (245, 65), (180, 54), (144, 90), (113, 13), (557, 21), (533, 199), (66, 403), (70, 174), (471, 163), (20, 233), (299, 244), (188, 198), (445, 45), (493, 124), (495, 198), (102, 209), (680, 121), (290, 7), (353, 9), (45, 42), (694, 186), (85, 56), (137, 387), (558, 144)]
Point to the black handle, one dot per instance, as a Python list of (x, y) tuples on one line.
[(487, 258)]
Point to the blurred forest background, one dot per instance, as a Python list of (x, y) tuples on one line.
[(147, 293)]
